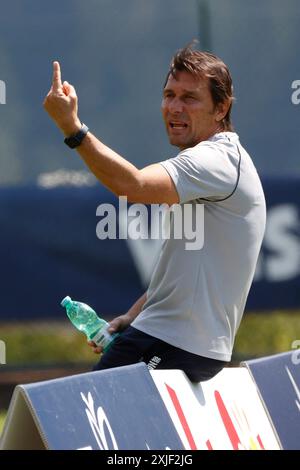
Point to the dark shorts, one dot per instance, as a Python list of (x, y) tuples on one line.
[(133, 346)]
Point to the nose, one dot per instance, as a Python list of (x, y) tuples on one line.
[(175, 105)]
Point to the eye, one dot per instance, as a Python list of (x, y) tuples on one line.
[(190, 99)]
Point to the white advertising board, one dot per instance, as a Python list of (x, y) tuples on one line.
[(225, 412)]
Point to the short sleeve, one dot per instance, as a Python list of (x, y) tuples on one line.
[(204, 171)]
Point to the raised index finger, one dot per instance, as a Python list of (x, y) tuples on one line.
[(56, 80)]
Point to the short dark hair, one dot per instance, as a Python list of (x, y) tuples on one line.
[(204, 64)]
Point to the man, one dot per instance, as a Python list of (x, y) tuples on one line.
[(189, 316)]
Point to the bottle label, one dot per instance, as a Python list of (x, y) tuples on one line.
[(102, 337)]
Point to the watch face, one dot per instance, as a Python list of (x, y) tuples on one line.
[(72, 142), (75, 140)]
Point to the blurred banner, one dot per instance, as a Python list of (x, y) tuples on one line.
[(49, 249), (280, 373)]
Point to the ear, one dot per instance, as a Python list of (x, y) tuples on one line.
[(221, 110)]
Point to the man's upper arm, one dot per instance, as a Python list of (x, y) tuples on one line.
[(155, 186)]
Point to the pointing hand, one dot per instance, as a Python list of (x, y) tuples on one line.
[(61, 103)]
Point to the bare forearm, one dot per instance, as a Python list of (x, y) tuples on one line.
[(121, 322), (116, 173), (136, 309)]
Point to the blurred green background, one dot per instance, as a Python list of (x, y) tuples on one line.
[(35, 343)]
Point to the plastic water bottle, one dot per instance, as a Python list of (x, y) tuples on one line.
[(85, 319)]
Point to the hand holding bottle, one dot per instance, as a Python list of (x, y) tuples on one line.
[(118, 324)]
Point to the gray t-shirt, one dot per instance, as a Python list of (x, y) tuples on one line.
[(196, 298)]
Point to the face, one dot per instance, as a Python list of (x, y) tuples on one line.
[(188, 110)]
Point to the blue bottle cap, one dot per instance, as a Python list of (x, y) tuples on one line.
[(66, 301)]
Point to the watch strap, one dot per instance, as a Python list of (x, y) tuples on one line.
[(75, 140)]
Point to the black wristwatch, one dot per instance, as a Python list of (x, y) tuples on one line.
[(74, 140)]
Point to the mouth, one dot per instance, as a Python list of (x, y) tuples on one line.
[(178, 125)]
